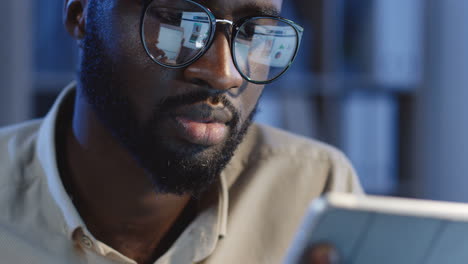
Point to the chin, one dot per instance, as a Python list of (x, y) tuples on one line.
[(187, 169), (177, 166), (184, 149)]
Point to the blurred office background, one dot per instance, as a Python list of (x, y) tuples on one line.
[(386, 81)]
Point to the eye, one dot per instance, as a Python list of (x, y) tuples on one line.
[(247, 31)]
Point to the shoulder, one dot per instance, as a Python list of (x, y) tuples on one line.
[(15, 138), (274, 177), (309, 161), (273, 141), (17, 148), (21, 129)]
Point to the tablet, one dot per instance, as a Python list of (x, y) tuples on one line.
[(385, 230)]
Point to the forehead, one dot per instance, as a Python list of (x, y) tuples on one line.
[(243, 7)]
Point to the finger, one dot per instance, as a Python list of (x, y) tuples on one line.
[(321, 254)]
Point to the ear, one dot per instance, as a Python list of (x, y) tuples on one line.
[(74, 17)]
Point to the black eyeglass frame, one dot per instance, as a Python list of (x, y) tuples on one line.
[(235, 27)]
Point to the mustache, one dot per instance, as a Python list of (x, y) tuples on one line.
[(169, 103)]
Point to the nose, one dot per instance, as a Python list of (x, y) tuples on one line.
[(215, 68)]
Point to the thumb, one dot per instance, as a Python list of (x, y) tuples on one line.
[(321, 254)]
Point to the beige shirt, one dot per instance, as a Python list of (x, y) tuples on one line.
[(252, 216)]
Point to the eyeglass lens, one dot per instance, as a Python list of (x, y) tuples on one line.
[(176, 32), (264, 48)]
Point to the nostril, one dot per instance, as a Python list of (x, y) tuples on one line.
[(215, 100)]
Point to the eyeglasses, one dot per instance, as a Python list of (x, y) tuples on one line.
[(175, 33)]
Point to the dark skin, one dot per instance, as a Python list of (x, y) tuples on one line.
[(111, 191), (114, 196)]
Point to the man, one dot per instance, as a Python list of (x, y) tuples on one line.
[(150, 157)]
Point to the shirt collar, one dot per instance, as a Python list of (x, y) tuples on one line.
[(206, 229), (47, 156)]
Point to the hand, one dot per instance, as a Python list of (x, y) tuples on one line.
[(321, 254)]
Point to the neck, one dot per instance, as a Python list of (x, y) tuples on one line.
[(113, 194)]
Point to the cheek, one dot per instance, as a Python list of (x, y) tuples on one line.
[(249, 99), (139, 78), (146, 89), (124, 40)]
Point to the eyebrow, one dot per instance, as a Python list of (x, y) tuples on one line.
[(268, 10), (249, 9)]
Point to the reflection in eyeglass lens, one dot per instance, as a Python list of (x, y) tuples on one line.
[(264, 48), (170, 42), (180, 40), (197, 27), (273, 45)]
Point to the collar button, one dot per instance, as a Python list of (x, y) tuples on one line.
[(86, 242)]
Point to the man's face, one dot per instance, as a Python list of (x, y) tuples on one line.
[(181, 125)]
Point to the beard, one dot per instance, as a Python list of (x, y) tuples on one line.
[(173, 168)]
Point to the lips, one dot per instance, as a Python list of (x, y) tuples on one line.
[(202, 124)]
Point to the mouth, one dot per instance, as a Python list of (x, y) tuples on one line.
[(201, 133), (202, 124)]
